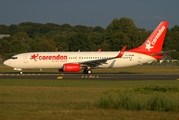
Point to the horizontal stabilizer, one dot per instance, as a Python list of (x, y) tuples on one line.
[(162, 52)]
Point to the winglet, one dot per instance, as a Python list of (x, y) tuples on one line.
[(121, 52)]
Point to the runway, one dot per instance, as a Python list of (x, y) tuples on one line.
[(91, 76)]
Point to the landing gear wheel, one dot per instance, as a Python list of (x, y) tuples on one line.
[(87, 71), (84, 71)]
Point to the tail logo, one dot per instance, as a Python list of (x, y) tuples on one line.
[(150, 45)]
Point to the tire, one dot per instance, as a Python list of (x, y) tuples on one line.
[(89, 71)]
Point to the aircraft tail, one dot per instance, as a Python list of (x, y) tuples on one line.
[(154, 42)]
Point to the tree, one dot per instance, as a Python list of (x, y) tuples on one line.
[(105, 46), (61, 42), (127, 26), (119, 41), (45, 46), (5, 46), (98, 29), (14, 29), (4, 29), (171, 43), (22, 40), (96, 40), (66, 27), (82, 29), (78, 41)]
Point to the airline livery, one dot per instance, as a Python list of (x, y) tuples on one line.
[(150, 50)]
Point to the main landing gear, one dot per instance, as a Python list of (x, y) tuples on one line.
[(87, 71), (20, 72)]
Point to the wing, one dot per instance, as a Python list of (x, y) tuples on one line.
[(98, 62)]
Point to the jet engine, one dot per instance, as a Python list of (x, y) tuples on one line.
[(70, 67)]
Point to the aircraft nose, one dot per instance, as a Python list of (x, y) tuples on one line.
[(7, 62)]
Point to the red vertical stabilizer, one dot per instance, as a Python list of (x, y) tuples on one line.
[(154, 42)]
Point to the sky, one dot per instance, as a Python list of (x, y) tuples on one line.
[(145, 13)]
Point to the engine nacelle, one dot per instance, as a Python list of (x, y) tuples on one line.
[(70, 67)]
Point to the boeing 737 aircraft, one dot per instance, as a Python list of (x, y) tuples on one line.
[(150, 50)]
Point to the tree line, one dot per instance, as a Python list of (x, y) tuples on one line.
[(33, 37)]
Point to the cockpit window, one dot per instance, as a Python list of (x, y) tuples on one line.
[(13, 57)]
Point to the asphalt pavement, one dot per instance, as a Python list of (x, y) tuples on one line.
[(91, 76)]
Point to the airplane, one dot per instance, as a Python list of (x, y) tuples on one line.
[(150, 50)]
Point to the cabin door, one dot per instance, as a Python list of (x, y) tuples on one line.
[(139, 58), (25, 58)]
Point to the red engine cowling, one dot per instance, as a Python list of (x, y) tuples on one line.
[(70, 67)]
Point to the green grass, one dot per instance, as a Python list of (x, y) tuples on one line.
[(133, 101), (78, 99), (155, 89), (90, 99)]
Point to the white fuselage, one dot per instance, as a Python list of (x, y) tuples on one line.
[(41, 60)]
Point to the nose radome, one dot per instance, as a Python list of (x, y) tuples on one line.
[(7, 62)]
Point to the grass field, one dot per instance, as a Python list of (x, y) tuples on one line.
[(75, 99), (89, 99)]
